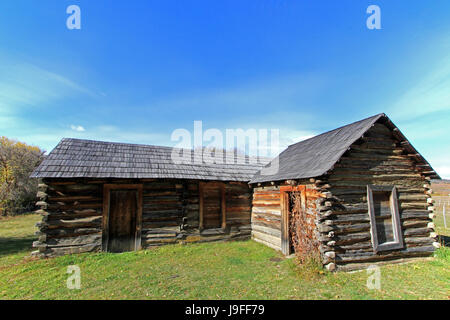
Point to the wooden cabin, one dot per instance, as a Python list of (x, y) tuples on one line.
[(102, 196), (355, 196), (358, 195)]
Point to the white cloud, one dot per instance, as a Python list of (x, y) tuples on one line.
[(48, 138), (77, 128), (293, 136), (24, 85), (443, 171)]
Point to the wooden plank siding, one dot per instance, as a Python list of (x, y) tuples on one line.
[(266, 216)]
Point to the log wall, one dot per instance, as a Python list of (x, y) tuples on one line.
[(378, 159), (267, 212), (72, 214), (72, 218)]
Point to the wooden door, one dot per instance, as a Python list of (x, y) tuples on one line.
[(122, 217), (212, 205), (122, 220), (285, 236)]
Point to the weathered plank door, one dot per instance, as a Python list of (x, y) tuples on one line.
[(122, 218), (212, 205), (285, 236)]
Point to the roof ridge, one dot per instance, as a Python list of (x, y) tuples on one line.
[(316, 164), (118, 143), (379, 115), (236, 155)]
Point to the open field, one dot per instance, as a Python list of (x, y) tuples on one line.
[(439, 211), (441, 196), (233, 270)]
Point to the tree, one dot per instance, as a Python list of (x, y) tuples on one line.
[(17, 162)]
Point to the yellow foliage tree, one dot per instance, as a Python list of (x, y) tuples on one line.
[(17, 161)]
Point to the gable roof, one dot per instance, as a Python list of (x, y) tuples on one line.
[(75, 158), (316, 156)]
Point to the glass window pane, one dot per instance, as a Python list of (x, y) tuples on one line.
[(383, 216)]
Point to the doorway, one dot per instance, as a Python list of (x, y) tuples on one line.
[(293, 200), (298, 228), (122, 217), (212, 205)]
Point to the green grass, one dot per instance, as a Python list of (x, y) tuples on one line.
[(233, 270), (439, 220)]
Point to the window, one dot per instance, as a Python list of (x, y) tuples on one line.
[(385, 227)]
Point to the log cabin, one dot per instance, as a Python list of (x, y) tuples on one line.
[(362, 192), (115, 197)]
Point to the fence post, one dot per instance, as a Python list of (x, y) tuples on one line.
[(443, 213)]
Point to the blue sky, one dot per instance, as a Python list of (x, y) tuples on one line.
[(137, 70)]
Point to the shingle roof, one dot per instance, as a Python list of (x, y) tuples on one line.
[(315, 156), (75, 158)]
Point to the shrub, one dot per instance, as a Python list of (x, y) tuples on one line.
[(302, 231)]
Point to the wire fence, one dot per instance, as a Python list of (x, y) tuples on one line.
[(442, 210)]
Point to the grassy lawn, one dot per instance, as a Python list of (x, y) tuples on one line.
[(233, 270)]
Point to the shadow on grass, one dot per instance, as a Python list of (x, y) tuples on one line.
[(445, 240), (15, 245)]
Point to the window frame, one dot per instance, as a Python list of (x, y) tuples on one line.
[(398, 242)]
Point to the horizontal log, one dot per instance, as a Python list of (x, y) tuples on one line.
[(374, 177), (160, 193), (370, 256), (168, 229), (271, 211), (153, 241), (268, 244), (75, 206), (60, 233), (414, 224), (267, 230), (423, 231), (50, 252), (90, 222), (350, 228), (366, 246), (164, 224), (360, 266), (74, 198), (94, 238), (362, 190), (276, 241), (75, 214), (343, 239), (272, 225)]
